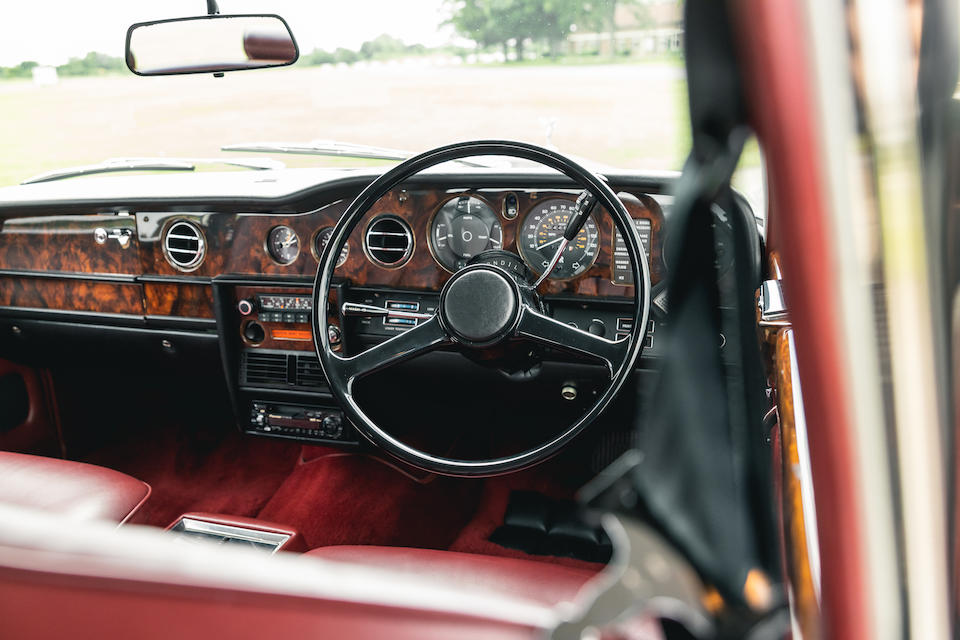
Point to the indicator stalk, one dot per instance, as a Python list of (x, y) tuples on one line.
[(584, 206), (369, 310)]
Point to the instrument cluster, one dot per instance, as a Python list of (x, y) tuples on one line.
[(417, 238)]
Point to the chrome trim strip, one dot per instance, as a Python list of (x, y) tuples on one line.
[(70, 275), (40, 311), (772, 305), (216, 529), (807, 500)]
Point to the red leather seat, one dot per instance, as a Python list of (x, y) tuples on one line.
[(531, 580), (72, 489)]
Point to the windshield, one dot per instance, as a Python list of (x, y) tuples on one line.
[(602, 81)]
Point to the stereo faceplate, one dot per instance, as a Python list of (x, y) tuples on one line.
[(301, 422)]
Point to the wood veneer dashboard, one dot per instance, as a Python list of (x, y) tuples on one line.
[(58, 263)]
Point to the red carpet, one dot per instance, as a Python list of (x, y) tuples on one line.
[(233, 475), (344, 498), (332, 497)]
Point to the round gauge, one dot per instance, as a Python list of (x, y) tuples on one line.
[(542, 231), (283, 245), (320, 240), (461, 229)]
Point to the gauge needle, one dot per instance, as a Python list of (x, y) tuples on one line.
[(547, 244), (553, 263), (289, 241)]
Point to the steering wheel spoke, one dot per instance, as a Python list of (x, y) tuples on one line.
[(424, 337), (545, 330)]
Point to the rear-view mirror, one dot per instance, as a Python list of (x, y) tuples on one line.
[(210, 44)]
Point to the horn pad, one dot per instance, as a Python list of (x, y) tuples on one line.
[(480, 305)]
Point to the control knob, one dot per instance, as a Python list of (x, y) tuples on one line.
[(332, 426), (245, 307)]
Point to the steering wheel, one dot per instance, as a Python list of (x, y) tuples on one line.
[(480, 306)]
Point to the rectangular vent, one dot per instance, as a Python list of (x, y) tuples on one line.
[(288, 370), (309, 373), (264, 368)]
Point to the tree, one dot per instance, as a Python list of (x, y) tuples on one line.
[(478, 21), (94, 63), (496, 22), (383, 46), (346, 55), (319, 56)]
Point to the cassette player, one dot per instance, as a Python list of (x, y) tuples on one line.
[(300, 422)]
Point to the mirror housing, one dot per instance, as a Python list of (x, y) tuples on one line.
[(210, 44)]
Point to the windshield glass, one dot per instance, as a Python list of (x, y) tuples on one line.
[(601, 81)]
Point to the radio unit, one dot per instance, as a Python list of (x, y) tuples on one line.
[(280, 308), (300, 422)]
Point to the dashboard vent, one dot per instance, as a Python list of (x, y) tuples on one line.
[(277, 369), (264, 368), (309, 373), (388, 241), (183, 245)]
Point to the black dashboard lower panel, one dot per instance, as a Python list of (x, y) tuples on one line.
[(51, 342)]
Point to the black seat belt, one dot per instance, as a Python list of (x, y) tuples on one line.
[(702, 473)]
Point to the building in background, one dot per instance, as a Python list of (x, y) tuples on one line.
[(640, 30)]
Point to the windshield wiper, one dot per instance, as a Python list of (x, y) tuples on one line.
[(321, 148), (335, 148), (150, 164)]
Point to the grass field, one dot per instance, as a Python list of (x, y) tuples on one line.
[(630, 116)]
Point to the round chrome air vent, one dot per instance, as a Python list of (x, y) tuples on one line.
[(184, 246), (388, 241)]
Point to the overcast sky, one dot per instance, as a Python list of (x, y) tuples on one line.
[(52, 31)]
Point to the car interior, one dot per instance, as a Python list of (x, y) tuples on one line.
[(487, 391)]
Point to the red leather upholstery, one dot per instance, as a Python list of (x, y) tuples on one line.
[(72, 489), (531, 580)]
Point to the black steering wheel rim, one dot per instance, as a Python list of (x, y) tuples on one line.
[(332, 364)]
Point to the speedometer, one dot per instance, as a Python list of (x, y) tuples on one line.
[(320, 240), (461, 229), (542, 232)]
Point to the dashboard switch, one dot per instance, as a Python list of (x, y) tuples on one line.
[(597, 328), (245, 307)]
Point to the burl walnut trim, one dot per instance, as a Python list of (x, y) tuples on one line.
[(178, 299), (71, 294)]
